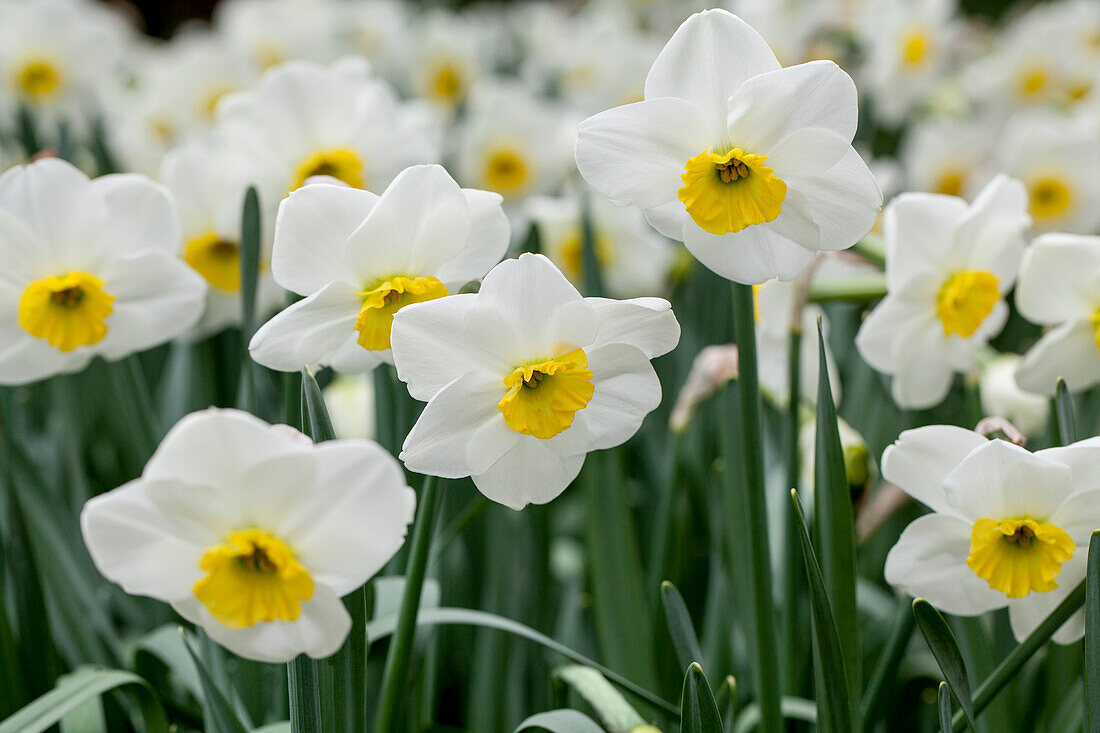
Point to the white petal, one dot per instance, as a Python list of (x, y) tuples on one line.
[(636, 153), (529, 473), (490, 235), (1068, 351), (313, 225), (923, 377), (307, 331), (844, 200), (752, 256), (1025, 614), (807, 152), (878, 336), (771, 106), (707, 59), (645, 323), (993, 229), (920, 458), (999, 480), (141, 213), (439, 443), (929, 561), (1059, 278), (919, 229), (18, 251)]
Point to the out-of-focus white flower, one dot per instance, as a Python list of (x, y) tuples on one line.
[(274, 31), (748, 163), (524, 377), (512, 142), (90, 269), (1008, 528), (450, 53), (208, 184), (360, 258), (1060, 287), (908, 46), (796, 31), (253, 532), (54, 54), (945, 155), (1058, 159), (377, 30), (633, 259), (338, 120), (1002, 397), (350, 401), (948, 266)]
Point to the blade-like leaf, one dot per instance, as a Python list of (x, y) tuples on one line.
[(680, 628), (943, 698), (833, 524), (560, 721), (792, 708), (615, 712), (945, 649), (316, 420), (75, 690), (834, 712), (250, 260), (1092, 637), (698, 711), (225, 718), (1063, 409)]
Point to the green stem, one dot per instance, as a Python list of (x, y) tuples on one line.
[(752, 501), (305, 698), (859, 289), (794, 586), (474, 509), (871, 249), (1016, 659), (398, 659)]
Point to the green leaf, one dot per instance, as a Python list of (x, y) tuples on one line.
[(316, 420), (885, 672), (560, 721), (250, 260), (834, 712), (792, 708), (74, 690), (680, 628), (698, 711), (1063, 409), (1092, 636), (164, 643), (225, 718), (382, 627), (833, 524), (946, 651), (615, 712), (305, 695), (283, 726), (943, 699)]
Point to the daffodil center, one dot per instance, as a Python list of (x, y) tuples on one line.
[(506, 171), (447, 82), (252, 578), (1096, 327), (39, 78), (951, 181), (382, 301), (965, 300), (543, 397), (216, 259), (1018, 556), (1050, 197), (68, 311), (339, 163), (728, 192), (1033, 80), (915, 46), (572, 254)]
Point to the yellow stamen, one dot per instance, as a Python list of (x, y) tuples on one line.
[(1033, 80), (447, 82), (39, 78), (951, 182), (381, 302), (252, 578), (572, 254), (506, 171), (1096, 326), (340, 163), (69, 310), (216, 259), (1018, 556), (729, 192), (965, 300), (544, 397), (915, 46), (1050, 197)]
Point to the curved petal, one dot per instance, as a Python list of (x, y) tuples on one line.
[(752, 256), (529, 473), (992, 232), (19, 251), (919, 229), (929, 561), (878, 336), (923, 377), (845, 201), (920, 459), (1068, 351), (490, 235), (705, 62), (807, 152), (1059, 278), (141, 213), (306, 332), (644, 323), (1025, 614), (999, 480)]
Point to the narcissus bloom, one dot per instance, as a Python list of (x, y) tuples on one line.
[(948, 267), (253, 532), (360, 258), (1008, 528), (90, 269), (524, 377), (749, 164), (1060, 287)]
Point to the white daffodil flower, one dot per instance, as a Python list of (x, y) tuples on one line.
[(945, 155), (1060, 287), (252, 532), (948, 267), (1001, 396), (339, 120), (274, 31), (524, 377), (208, 184), (749, 164), (90, 269), (1008, 528), (360, 258)]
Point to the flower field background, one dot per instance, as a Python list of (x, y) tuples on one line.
[(624, 366)]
